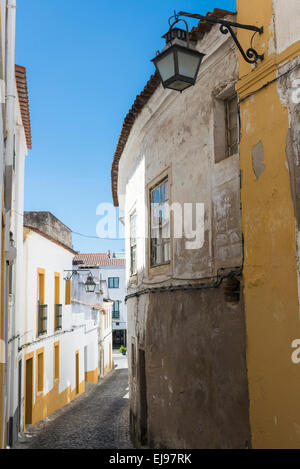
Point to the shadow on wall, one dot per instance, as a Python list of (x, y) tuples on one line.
[(187, 366)]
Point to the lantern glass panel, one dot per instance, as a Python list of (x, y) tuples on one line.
[(166, 66), (179, 85), (188, 64)]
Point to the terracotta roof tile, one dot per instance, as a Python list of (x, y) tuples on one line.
[(197, 33), (98, 259), (21, 81)]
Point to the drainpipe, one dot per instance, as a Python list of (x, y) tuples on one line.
[(10, 81), (9, 137)]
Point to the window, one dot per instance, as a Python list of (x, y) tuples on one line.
[(68, 292), (57, 305), (133, 244), (113, 282), (42, 309), (232, 118), (159, 225), (40, 372), (226, 127), (116, 310), (56, 360)]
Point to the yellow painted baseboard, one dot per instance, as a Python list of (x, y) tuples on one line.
[(51, 402), (91, 376)]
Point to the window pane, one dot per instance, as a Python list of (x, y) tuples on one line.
[(162, 192), (166, 229), (159, 224), (166, 252)]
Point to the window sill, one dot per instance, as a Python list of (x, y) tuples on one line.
[(227, 158), (159, 265), (42, 334)]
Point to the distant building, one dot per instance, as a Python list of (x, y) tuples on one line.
[(111, 268), (93, 311)]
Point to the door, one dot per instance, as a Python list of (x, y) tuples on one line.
[(77, 372), (143, 398), (19, 393), (29, 391), (85, 361)]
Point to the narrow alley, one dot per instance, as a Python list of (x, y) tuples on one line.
[(99, 419)]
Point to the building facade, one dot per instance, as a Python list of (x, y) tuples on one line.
[(269, 160), (110, 268), (50, 360), (93, 311), (186, 319), (15, 141)]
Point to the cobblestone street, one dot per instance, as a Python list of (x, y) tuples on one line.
[(97, 419)]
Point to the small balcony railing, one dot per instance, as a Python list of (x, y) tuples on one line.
[(42, 320), (116, 314), (58, 317)]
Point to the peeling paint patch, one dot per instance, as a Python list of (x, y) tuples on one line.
[(258, 155)]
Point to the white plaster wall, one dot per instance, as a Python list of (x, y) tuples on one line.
[(45, 254), (16, 317), (287, 23), (105, 337), (40, 252), (91, 342), (135, 201)]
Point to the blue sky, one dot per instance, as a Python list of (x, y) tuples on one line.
[(86, 61)]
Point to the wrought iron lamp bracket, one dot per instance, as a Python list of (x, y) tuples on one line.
[(70, 273), (251, 55)]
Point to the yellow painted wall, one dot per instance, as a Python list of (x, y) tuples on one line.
[(46, 404), (91, 376), (49, 403), (270, 272)]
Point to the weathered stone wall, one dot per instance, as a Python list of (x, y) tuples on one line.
[(49, 225), (195, 346), (193, 342)]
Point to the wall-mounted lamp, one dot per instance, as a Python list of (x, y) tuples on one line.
[(89, 285), (179, 62)]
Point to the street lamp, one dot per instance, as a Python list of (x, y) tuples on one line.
[(179, 62), (90, 285)]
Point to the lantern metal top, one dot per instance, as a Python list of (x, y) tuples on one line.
[(175, 33)]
